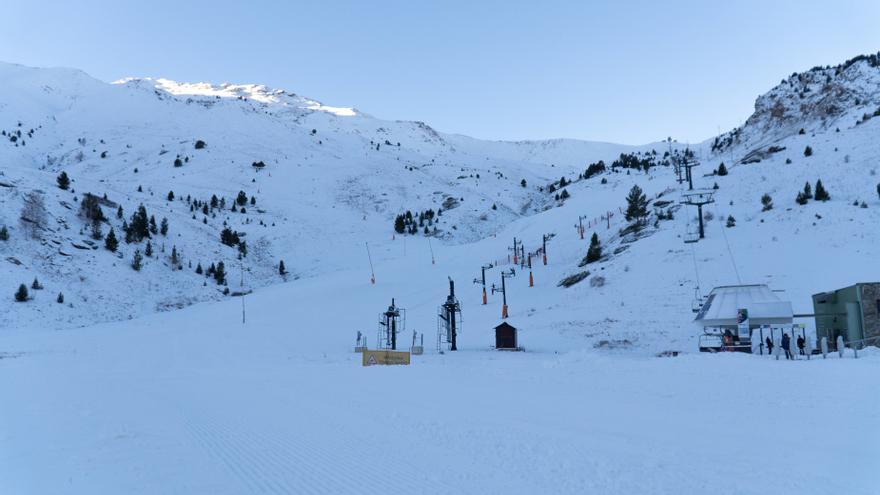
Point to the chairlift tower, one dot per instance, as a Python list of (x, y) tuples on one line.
[(698, 198), (503, 290), (391, 322), (544, 239), (515, 250), (688, 164), (482, 280), (449, 320)]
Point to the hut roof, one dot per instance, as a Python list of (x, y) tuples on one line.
[(764, 306)]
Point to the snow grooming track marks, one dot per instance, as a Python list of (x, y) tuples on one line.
[(292, 462)]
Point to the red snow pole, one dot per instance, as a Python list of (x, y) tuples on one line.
[(485, 299)]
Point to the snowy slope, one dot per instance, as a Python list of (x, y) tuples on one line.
[(330, 184), (197, 401)]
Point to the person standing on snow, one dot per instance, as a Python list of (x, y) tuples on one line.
[(786, 346), (800, 344), (769, 346)]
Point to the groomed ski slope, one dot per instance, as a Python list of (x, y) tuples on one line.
[(194, 401)]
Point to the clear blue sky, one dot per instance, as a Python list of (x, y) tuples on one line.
[(626, 71)]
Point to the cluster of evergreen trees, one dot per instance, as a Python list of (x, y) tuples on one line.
[(207, 207), (594, 169), (217, 271), (407, 223), (807, 193), (142, 226), (634, 161)]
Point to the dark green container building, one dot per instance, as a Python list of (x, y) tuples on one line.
[(853, 312)]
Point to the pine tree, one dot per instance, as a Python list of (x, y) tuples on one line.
[(722, 170), (199, 269), (110, 242), (4, 232), (36, 284), (564, 194), (170, 195), (636, 205), (594, 252), (767, 201), (139, 225), (60, 298), (808, 151), (96, 230), (808, 191), (163, 227), (153, 228), (253, 201), (220, 273), (214, 201), (821, 193), (731, 222), (21, 295), (175, 260), (878, 194), (241, 199), (119, 212), (400, 224), (801, 198), (522, 183), (242, 248), (63, 181), (137, 260), (281, 269), (148, 251)]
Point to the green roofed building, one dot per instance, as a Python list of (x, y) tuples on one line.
[(852, 312)]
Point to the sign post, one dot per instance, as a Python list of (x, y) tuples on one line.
[(382, 357)]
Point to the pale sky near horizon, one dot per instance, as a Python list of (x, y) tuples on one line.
[(629, 72)]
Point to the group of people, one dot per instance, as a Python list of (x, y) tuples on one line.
[(786, 345)]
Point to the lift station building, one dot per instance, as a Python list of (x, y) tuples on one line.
[(851, 312), (740, 309)]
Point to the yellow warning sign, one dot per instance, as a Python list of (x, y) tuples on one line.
[(371, 358)]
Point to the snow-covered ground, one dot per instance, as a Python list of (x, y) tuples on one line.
[(112, 392), (194, 401)]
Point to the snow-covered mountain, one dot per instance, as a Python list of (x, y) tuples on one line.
[(336, 178), (263, 394), (333, 179)]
